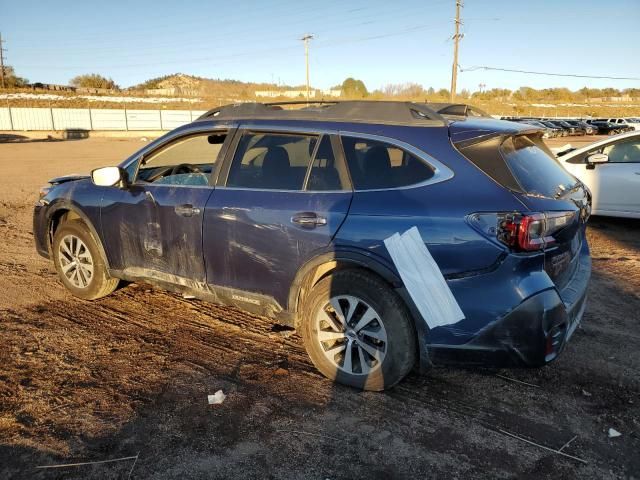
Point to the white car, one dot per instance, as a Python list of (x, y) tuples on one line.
[(611, 170)]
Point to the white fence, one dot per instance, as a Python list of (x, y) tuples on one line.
[(94, 119)]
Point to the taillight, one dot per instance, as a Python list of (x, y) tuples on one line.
[(524, 232)]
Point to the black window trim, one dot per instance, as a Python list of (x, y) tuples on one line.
[(441, 173)]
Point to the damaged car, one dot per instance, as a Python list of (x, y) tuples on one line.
[(391, 236)]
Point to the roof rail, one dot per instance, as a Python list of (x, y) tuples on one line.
[(357, 111)]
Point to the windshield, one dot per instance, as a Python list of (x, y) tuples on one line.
[(535, 168)]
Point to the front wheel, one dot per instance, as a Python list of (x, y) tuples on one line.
[(357, 331), (79, 263)]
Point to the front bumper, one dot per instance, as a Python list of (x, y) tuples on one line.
[(40, 233), (531, 335)]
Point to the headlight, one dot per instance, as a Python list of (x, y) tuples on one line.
[(43, 192)]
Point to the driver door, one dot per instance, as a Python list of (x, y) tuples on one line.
[(153, 228)]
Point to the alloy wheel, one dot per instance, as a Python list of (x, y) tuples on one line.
[(351, 335), (75, 261)]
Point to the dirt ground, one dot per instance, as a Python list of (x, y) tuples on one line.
[(129, 376)]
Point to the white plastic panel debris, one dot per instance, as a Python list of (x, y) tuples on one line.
[(423, 279)]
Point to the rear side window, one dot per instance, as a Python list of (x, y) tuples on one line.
[(376, 165), (534, 168), (271, 161)]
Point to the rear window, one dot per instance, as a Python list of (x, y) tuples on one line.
[(534, 168), (521, 163)]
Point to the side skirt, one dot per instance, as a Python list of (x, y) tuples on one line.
[(251, 302)]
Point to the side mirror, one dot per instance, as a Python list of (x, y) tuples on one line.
[(595, 158), (109, 177)]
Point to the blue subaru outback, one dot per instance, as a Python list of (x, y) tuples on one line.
[(389, 235)]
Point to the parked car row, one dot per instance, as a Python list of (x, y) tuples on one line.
[(569, 127)]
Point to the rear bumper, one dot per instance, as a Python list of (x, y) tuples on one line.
[(531, 335)]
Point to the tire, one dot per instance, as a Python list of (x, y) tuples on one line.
[(386, 343), (79, 264)]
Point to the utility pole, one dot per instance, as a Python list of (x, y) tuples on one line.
[(456, 38), (2, 50), (306, 39)]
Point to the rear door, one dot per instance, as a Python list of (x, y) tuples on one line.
[(547, 187), (280, 200)]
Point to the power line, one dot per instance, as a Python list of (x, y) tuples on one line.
[(551, 74), (235, 57)]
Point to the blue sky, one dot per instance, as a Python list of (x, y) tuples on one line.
[(380, 42)]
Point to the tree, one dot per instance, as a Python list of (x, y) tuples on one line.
[(405, 90), (13, 81), (354, 88), (93, 80)]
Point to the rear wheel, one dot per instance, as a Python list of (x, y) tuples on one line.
[(358, 332), (79, 263)]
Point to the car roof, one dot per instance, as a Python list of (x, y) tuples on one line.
[(371, 112), (606, 141), (461, 129)]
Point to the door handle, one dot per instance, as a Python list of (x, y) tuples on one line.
[(186, 210), (308, 220)]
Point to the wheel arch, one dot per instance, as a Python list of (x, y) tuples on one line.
[(64, 212), (319, 267)]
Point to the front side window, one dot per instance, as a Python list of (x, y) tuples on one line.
[(374, 165), (623, 152), (271, 161), (186, 161)]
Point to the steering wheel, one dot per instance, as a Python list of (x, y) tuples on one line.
[(185, 168)]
